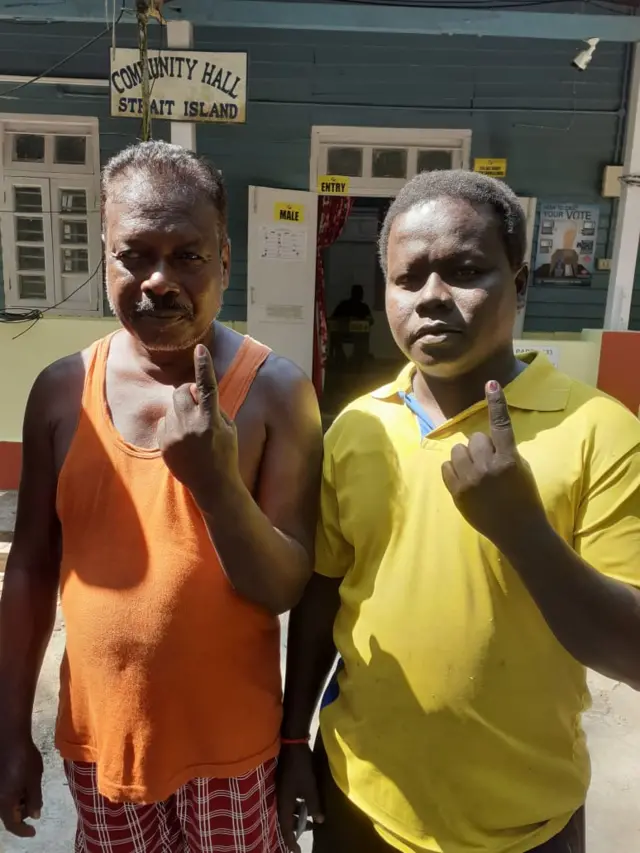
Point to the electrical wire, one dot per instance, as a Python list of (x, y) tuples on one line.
[(33, 315), (66, 59), (39, 213), (489, 5), (18, 317), (465, 5), (36, 314)]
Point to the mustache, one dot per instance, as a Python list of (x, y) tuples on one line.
[(150, 304)]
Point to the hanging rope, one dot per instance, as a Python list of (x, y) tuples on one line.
[(142, 16), (113, 31)]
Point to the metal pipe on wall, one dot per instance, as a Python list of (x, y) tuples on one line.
[(434, 109)]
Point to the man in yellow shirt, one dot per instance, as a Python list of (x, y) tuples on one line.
[(477, 550)]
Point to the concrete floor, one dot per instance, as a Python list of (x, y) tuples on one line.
[(613, 726)]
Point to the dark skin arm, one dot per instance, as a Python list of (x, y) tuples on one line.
[(265, 544), (596, 618), (27, 612), (311, 654)]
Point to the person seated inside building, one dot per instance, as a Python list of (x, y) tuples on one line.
[(354, 308), (351, 322)]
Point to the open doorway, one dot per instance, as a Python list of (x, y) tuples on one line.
[(361, 353), (371, 165), (290, 293)]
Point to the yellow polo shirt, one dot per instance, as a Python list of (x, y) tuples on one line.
[(455, 721)]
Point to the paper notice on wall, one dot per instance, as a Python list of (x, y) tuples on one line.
[(280, 313), (552, 353), (282, 244)]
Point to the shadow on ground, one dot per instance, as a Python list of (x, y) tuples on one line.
[(613, 727)]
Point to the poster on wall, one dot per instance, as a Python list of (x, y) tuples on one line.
[(185, 85), (567, 237)]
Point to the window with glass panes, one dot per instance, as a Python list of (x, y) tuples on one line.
[(51, 221), (379, 161)]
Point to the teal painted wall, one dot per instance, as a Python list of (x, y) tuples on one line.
[(522, 100)]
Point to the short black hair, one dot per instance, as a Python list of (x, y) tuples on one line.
[(171, 162), (467, 186)]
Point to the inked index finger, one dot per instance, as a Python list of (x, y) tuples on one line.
[(501, 429), (206, 382)]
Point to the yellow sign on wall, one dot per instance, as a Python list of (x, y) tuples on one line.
[(284, 211), (493, 168), (333, 185)]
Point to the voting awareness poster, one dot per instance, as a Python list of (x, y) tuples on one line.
[(567, 238)]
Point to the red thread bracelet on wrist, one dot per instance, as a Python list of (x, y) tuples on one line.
[(288, 741)]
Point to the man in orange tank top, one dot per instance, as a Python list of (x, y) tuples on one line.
[(169, 494)]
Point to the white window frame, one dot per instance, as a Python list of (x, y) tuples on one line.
[(13, 129), (458, 141), (9, 239), (51, 177)]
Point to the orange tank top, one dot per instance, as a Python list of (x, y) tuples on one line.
[(168, 673)]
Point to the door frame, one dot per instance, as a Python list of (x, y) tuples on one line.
[(456, 140), (273, 309)]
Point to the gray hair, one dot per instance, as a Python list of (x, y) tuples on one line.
[(173, 163)]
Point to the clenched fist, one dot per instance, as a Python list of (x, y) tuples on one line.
[(197, 440), (20, 785), (490, 482)]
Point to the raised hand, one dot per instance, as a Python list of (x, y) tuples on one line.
[(490, 482), (197, 440)]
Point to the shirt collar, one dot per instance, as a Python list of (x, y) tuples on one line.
[(401, 384), (539, 388)]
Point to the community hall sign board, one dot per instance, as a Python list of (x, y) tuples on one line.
[(185, 85)]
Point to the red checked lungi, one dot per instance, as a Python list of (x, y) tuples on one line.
[(204, 816)]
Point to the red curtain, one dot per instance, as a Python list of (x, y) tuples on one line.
[(333, 212)]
